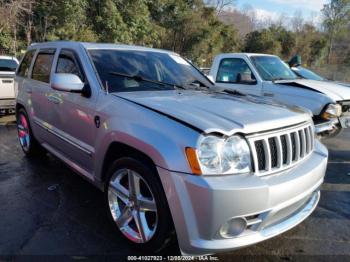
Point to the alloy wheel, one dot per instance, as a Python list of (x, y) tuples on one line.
[(132, 205)]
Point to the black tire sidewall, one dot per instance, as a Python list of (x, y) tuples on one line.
[(164, 233)]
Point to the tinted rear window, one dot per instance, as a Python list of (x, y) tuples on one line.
[(26, 62), (42, 66), (8, 65)]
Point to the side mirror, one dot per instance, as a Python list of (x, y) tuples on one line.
[(67, 83), (246, 79)]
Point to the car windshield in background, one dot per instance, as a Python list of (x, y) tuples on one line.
[(8, 65), (272, 68), (134, 70), (307, 74)]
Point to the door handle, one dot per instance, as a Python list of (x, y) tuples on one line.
[(269, 94), (54, 99)]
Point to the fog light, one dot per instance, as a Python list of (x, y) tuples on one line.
[(233, 227)]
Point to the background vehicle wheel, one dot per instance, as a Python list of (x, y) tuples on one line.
[(137, 205), (29, 144)]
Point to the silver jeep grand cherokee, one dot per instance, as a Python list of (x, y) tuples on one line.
[(173, 156)]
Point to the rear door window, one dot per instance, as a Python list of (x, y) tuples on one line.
[(42, 66), (23, 69)]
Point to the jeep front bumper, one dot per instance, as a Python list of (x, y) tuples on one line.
[(201, 206)]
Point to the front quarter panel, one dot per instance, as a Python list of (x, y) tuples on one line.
[(162, 139)]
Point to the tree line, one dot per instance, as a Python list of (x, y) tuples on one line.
[(325, 43), (196, 29)]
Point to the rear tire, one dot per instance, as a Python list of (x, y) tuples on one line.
[(29, 144), (137, 206)]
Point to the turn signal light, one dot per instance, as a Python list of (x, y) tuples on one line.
[(193, 161)]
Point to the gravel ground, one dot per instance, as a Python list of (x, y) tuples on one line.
[(49, 213)]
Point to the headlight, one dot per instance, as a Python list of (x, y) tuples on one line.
[(223, 156), (332, 111)]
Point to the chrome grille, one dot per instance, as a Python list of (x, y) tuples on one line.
[(278, 150)]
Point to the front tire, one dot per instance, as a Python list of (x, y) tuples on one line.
[(137, 205)]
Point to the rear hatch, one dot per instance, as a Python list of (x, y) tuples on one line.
[(7, 87), (8, 67)]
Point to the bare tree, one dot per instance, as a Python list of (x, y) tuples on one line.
[(336, 18), (244, 20), (253, 21), (220, 5), (297, 21), (5, 15), (28, 25), (282, 20), (15, 13)]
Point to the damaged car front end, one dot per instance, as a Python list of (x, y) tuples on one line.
[(268, 76)]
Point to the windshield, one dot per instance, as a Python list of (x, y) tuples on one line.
[(134, 70), (307, 74), (272, 68), (8, 65)]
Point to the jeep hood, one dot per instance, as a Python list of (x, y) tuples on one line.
[(335, 91), (217, 112)]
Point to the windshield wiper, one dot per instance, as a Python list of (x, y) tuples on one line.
[(221, 90), (233, 92), (282, 78), (139, 78), (277, 79), (198, 84)]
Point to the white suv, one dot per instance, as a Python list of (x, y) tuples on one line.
[(8, 66)]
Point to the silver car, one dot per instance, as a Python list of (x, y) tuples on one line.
[(173, 156)]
